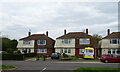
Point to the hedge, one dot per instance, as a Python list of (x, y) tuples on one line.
[(17, 56), (13, 57), (30, 55)]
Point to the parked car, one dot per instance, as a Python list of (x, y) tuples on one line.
[(55, 55), (110, 58)]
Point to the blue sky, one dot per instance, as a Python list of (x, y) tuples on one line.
[(18, 17)]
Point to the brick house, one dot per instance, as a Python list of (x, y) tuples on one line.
[(38, 43), (73, 43)]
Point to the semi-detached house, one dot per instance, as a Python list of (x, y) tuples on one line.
[(110, 44), (38, 43), (73, 43)]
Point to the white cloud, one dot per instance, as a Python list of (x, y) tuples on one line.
[(18, 18)]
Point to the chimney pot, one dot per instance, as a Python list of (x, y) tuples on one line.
[(46, 33), (108, 31), (86, 31), (29, 33), (65, 32)]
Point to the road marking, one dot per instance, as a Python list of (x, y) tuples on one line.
[(43, 69)]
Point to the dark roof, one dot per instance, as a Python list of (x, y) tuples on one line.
[(75, 35), (113, 35), (36, 37)]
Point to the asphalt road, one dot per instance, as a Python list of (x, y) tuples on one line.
[(43, 66)]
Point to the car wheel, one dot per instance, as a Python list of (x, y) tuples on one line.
[(106, 61)]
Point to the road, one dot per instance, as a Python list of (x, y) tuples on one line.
[(42, 66)]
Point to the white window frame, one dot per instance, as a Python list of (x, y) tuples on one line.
[(117, 50), (111, 41), (68, 50), (82, 51), (38, 42), (112, 51), (66, 41), (40, 51), (81, 41), (26, 42)]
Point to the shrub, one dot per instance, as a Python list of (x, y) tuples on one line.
[(12, 57), (30, 55)]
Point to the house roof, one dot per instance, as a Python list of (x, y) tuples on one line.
[(113, 35), (75, 35), (36, 37)]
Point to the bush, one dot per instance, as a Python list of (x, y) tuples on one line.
[(65, 55), (30, 55), (12, 57)]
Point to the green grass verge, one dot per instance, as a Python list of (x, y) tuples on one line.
[(29, 58), (97, 69), (5, 67), (77, 58)]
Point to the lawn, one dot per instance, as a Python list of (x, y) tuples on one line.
[(77, 58), (6, 67), (97, 69)]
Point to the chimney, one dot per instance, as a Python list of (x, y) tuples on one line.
[(108, 31), (86, 31), (46, 33), (29, 33), (65, 32)]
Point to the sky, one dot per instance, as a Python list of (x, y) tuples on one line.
[(17, 18)]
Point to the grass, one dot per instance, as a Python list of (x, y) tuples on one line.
[(29, 58), (6, 67), (97, 69), (77, 58)]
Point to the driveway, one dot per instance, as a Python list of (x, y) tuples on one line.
[(49, 65)]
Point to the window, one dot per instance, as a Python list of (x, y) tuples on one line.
[(26, 42), (113, 51), (41, 50), (84, 41), (81, 51), (118, 51), (65, 50), (109, 51), (69, 51), (114, 41), (41, 42), (66, 41)]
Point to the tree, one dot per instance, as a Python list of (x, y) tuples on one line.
[(13, 44), (99, 37), (5, 43), (9, 45)]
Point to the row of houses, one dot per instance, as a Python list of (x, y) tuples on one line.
[(72, 43)]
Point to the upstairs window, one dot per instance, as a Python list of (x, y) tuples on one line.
[(114, 41), (41, 50), (26, 42), (41, 42), (66, 41), (84, 41)]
